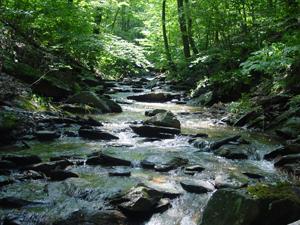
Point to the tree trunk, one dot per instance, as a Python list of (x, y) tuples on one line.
[(115, 19), (183, 30), (166, 42), (190, 28)]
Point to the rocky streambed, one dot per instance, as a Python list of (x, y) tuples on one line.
[(153, 161)]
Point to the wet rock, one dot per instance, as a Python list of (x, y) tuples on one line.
[(163, 205), (166, 119), (246, 118), (66, 157), (47, 135), (204, 99), (152, 97), (140, 201), (23, 160), (59, 175), (71, 134), (49, 166), (5, 172), (194, 168), (79, 109), (232, 152), (99, 102), (243, 208), (232, 180), (155, 131), (282, 151), (292, 168), (96, 134), (154, 112), (199, 135), (288, 159), (119, 173), (31, 175), (137, 90), (4, 180), (254, 175), (92, 122), (197, 186), (290, 129), (14, 203), (217, 144), (147, 164), (205, 145), (171, 165), (85, 217), (5, 164), (106, 160)]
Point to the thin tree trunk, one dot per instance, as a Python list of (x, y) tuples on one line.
[(115, 19), (190, 28), (165, 36), (183, 30)]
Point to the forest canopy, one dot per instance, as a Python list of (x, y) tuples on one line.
[(190, 39)]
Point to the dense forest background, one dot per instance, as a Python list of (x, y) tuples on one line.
[(228, 47)]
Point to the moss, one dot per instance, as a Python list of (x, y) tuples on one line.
[(34, 103), (8, 121), (274, 192)]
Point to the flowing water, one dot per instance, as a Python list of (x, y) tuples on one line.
[(94, 185)]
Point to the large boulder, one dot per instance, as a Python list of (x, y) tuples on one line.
[(165, 119), (155, 131), (101, 103), (152, 97), (267, 205)]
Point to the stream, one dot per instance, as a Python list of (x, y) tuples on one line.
[(94, 186)]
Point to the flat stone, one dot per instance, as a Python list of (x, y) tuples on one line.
[(195, 168), (59, 175), (47, 135), (147, 164), (155, 131), (106, 160), (49, 166), (23, 160), (197, 186), (95, 134), (119, 173), (152, 97), (14, 203)]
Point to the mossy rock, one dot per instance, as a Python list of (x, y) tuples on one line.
[(275, 192), (257, 205), (8, 121), (48, 85)]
